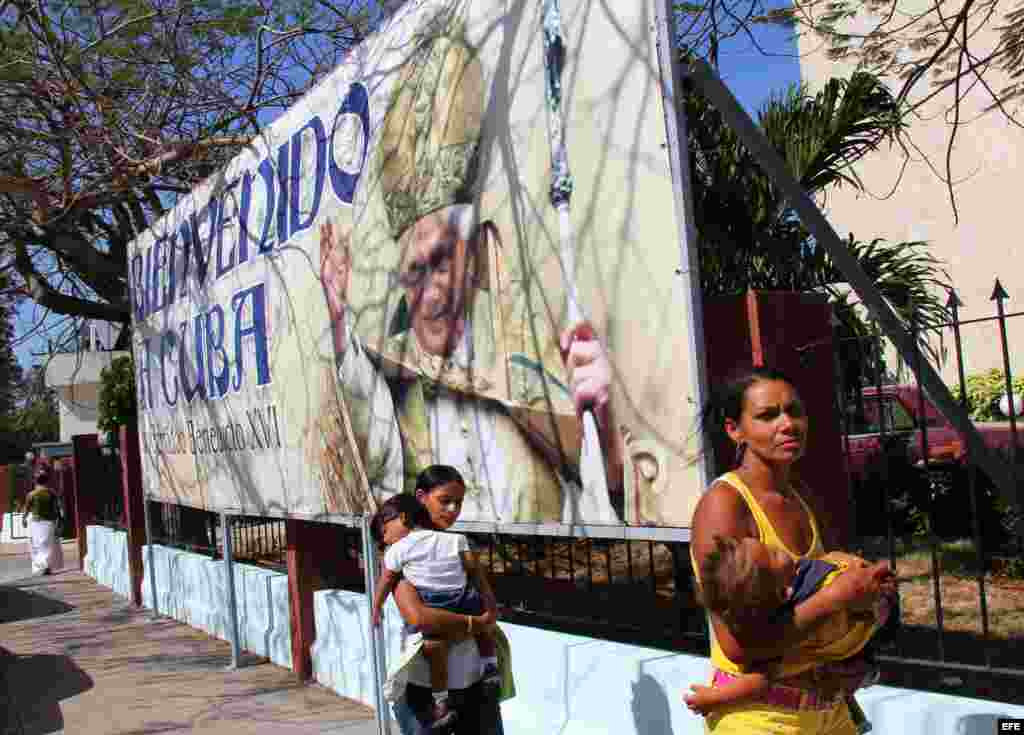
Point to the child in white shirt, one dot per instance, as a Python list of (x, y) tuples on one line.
[(438, 565)]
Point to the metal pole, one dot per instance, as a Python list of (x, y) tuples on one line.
[(843, 415), (999, 295), (689, 257), (890, 535), (370, 575), (229, 580), (933, 539), (150, 556), (954, 304)]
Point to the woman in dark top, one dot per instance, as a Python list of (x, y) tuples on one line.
[(43, 505)]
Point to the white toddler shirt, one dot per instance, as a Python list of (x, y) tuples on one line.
[(429, 559)]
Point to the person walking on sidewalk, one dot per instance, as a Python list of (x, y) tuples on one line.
[(44, 507), (441, 490), (762, 499)]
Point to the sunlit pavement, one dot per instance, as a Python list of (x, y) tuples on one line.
[(76, 658)]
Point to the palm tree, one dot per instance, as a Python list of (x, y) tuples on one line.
[(748, 238)]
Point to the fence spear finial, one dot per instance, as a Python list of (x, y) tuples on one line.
[(999, 293), (953, 302)]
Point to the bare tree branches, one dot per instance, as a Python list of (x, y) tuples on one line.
[(933, 51), (961, 59), (114, 109)]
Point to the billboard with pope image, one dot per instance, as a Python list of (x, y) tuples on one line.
[(378, 284)]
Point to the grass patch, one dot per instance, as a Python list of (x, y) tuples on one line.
[(960, 585)]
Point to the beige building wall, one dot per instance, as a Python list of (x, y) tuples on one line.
[(988, 183), (75, 376), (77, 407)]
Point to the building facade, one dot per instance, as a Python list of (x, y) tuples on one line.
[(907, 197), (75, 376)]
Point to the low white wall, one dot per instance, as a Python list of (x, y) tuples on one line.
[(10, 527), (581, 686), (106, 558), (341, 652), (191, 588)]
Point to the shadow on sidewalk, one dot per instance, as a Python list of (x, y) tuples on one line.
[(33, 687), (17, 603)]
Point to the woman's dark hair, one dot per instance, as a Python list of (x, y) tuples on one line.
[(42, 477), (403, 504), (436, 475), (726, 402)]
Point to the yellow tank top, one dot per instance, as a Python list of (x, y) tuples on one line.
[(799, 661)]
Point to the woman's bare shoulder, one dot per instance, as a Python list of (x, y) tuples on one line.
[(721, 511), (720, 497)]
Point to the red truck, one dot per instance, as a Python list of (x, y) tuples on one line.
[(890, 491), (899, 407)]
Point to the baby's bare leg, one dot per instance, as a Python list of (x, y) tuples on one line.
[(436, 652)]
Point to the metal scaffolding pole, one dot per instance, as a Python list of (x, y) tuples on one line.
[(229, 581), (376, 639), (149, 555)]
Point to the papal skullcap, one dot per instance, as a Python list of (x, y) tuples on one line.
[(429, 144)]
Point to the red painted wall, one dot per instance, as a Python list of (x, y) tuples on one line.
[(790, 332)]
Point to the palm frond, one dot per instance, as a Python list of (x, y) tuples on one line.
[(822, 137), (749, 238)]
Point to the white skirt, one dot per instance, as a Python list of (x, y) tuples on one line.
[(46, 550)]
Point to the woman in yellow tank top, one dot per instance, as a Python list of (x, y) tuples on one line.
[(761, 414)]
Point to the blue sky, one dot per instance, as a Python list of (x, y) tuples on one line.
[(24, 321), (752, 73)]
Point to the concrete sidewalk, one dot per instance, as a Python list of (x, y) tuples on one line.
[(76, 659)]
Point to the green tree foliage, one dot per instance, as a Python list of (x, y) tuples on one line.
[(37, 418), (114, 108), (10, 370), (117, 405), (28, 409), (12, 443), (984, 391)]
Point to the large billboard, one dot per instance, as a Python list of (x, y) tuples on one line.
[(375, 285)]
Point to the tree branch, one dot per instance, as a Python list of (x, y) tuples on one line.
[(180, 151), (961, 19), (117, 29), (40, 291)]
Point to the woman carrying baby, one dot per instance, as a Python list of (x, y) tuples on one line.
[(762, 499)]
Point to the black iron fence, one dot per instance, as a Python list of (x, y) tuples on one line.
[(257, 540), (344, 570), (182, 527), (953, 538), (636, 591), (263, 542), (105, 484)]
